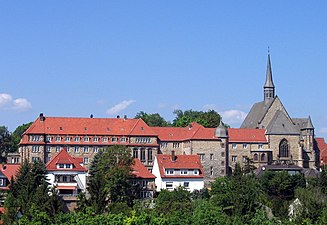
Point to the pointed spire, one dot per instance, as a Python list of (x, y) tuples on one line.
[(269, 87)]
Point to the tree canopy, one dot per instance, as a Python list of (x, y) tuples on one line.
[(207, 119), (153, 120)]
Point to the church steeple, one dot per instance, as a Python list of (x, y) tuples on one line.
[(269, 87)]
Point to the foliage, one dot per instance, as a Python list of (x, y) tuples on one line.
[(110, 178), (153, 120), (17, 135), (29, 194), (207, 119), (5, 141)]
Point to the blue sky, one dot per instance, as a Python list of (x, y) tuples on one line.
[(76, 58)]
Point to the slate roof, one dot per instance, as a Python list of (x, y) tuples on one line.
[(181, 162), (256, 114), (281, 124), (140, 171)]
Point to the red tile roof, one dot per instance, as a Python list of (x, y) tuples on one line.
[(247, 135), (181, 162), (10, 170), (63, 157), (140, 171), (323, 150), (89, 126), (194, 131)]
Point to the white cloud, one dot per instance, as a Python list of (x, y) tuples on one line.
[(4, 99), (119, 107), (21, 104), (233, 116)]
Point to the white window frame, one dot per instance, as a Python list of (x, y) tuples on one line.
[(169, 172)]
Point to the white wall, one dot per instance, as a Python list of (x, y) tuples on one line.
[(194, 183)]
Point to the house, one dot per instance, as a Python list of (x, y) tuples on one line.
[(320, 142), (67, 175), (7, 171), (173, 171), (143, 180)]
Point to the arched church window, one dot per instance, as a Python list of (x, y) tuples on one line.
[(263, 157), (255, 157), (283, 148)]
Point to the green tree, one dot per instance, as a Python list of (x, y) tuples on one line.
[(153, 120), (110, 178), (5, 142), (207, 119), (16, 136)]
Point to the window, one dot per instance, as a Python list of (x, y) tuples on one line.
[(222, 163), (35, 148), (123, 139), (76, 149), (86, 139), (184, 172), (86, 160), (186, 184), (48, 148), (49, 138), (142, 154), (61, 165), (211, 156), (233, 145), (58, 139), (58, 148), (222, 145), (263, 157), (222, 172), (255, 157), (95, 149), (195, 172), (35, 159), (163, 144), (260, 146), (234, 158), (222, 154), (68, 166), (283, 148), (86, 149), (201, 157), (169, 185), (149, 154), (245, 146), (176, 145), (169, 171), (2, 182), (105, 139), (77, 139), (35, 138), (67, 139), (95, 139), (245, 159), (135, 153), (144, 183), (114, 139), (211, 170)]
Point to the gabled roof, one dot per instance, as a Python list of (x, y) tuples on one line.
[(180, 162), (140, 171), (9, 170), (322, 146), (247, 135), (90, 126), (194, 131), (256, 114), (281, 124), (63, 157)]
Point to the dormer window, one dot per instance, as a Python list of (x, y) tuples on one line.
[(95, 139), (184, 172), (58, 139), (76, 139), (49, 138), (169, 171), (114, 139), (67, 139), (68, 166), (196, 172), (105, 139), (123, 139), (61, 166), (86, 139)]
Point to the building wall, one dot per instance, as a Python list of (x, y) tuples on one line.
[(194, 184)]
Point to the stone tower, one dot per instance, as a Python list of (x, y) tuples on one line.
[(269, 87)]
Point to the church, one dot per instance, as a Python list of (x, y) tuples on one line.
[(290, 140)]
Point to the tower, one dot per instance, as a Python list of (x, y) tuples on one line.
[(269, 87)]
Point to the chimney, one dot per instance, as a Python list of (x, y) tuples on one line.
[(125, 117), (173, 156), (91, 116), (42, 118), (118, 116)]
